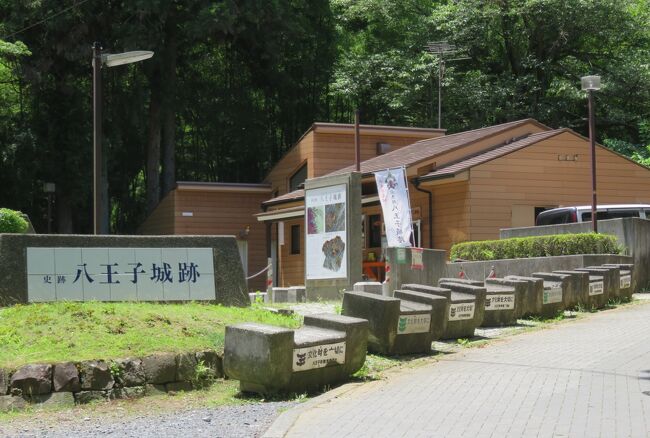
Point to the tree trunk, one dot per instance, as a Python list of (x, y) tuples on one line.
[(168, 108), (63, 221), (153, 150)]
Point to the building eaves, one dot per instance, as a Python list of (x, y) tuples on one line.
[(427, 149), (489, 155)]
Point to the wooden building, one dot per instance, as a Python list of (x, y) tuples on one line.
[(216, 209), (230, 209), (463, 186)]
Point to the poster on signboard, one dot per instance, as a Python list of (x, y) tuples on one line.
[(326, 238), (394, 198)]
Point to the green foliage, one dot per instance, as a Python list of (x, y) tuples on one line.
[(223, 97), (12, 222), (71, 331), (536, 246), (115, 370)]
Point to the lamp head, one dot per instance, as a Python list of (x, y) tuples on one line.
[(113, 59), (590, 83)]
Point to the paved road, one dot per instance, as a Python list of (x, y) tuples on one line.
[(584, 378)]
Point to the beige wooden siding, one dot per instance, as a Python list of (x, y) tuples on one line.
[(290, 163), (333, 151), (535, 177), (226, 213), (161, 220), (450, 214)]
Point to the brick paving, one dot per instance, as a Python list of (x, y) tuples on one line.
[(584, 378)]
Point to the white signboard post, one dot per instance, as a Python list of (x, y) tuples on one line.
[(326, 233), (395, 205), (120, 274)]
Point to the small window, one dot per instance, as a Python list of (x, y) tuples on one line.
[(295, 239), (298, 178)]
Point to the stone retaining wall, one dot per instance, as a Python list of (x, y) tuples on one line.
[(67, 383)]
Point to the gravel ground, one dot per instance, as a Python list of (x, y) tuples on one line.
[(249, 420)]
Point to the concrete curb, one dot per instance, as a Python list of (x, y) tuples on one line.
[(287, 419)]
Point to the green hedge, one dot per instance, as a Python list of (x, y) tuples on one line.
[(11, 221), (537, 246)]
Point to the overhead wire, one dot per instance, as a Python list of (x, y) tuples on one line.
[(44, 20)]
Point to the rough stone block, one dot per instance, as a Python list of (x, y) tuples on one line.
[(372, 287), (212, 360), (520, 289), (84, 397), (267, 359), (95, 375), (578, 288), (461, 281), (549, 296), (568, 293), (611, 277), (534, 296), (131, 372), (160, 368), (502, 305), (150, 389), (352, 331), (259, 356), (382, 314), (478, 291), (33, 379), (627, 279), (356, 336), (10, 403), (439, 309), (54, 399), (461, 314), (178, 387), (185, 367), (65, 377), (128, 392)]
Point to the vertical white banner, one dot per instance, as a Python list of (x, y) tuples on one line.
[(394, 198), (326, 233)]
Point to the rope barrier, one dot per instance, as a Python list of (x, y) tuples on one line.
[(261, 272)]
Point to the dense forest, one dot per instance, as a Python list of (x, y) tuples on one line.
[(234, 83)]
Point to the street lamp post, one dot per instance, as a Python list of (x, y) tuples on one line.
[(591, 83), (100, 219)]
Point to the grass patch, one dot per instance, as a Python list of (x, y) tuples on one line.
[(71, 331)]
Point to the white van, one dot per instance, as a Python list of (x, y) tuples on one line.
[(568, 215)]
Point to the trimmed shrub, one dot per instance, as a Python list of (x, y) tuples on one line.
[(11, 221), (536, 246)]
